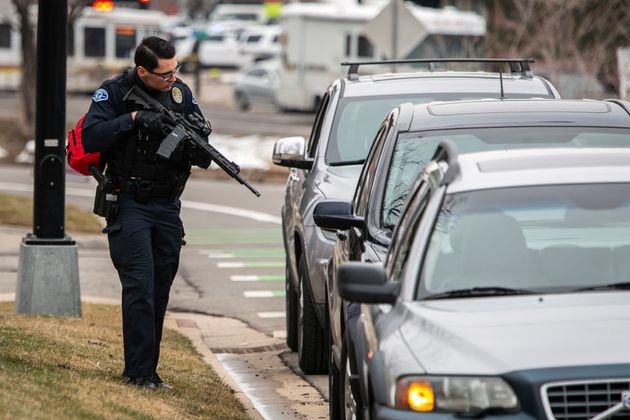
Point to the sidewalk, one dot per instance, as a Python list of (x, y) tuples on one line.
[(251, 363)]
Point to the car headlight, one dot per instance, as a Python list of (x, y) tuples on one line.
[(454, 394)]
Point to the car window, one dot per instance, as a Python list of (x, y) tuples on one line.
[(215, 38), (543, 238), (357, 119), (276, 38), (414, 150), (408, 159), (366, 180), (257, 73), (317, 125), (253, 38), (406, 231)]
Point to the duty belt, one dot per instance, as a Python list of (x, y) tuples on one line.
[(143, 189)]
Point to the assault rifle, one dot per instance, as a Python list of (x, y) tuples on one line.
[(186, 131)]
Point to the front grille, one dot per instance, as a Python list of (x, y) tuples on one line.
[(584, 399)]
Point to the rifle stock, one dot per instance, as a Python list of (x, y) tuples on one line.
[(185, 131)]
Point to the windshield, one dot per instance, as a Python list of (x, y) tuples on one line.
[(357, 120), (414, 150), (542, 239)]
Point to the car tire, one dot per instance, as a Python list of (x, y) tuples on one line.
[(334, 408), (241, 101), (312, 343), (349, 400), (292, 303)]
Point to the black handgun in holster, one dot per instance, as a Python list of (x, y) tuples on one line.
[(180, 183), (106, 197)]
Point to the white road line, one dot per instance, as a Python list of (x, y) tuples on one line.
[(271, 314), (280, 334), (230, 265), (232, 211), (244, 278), (258, 293), (220, 256), (194, 205)]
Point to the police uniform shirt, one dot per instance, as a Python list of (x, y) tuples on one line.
[(109, 118)]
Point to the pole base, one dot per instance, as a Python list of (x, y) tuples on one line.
[(48, 280)]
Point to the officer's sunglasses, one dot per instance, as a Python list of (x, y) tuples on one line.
[(166, 76)]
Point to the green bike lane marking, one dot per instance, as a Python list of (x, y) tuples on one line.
[(267, 277), (219, 236), (253, 264), (264, 293), (243, 253)]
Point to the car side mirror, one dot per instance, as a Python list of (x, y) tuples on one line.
[(290, 152), (336, 215), (366, 283)]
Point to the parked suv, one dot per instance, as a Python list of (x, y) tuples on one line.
[(405, 143), (504, 292), (328, 165)]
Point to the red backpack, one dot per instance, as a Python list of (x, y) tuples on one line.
[(79, 159)]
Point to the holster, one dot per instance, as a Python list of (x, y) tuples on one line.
[(180, 184), (106, 199)]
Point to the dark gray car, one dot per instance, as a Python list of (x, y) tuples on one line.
[(504, 292), (328, 165), (405, 143)]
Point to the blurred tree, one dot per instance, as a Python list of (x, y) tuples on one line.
[(29, 57), (562, 35)]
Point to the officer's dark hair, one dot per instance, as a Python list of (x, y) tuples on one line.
[(150, 50)]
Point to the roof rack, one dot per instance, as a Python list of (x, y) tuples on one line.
[(517, 65), (625, 105), (447, 151)]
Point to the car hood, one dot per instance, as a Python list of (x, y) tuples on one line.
[(339, 182), (502, 334)]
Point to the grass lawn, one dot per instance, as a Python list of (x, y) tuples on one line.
[(16, 210), (71, 368)]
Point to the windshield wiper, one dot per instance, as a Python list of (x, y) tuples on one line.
[(348, 162), (480, 292), (612, 286)]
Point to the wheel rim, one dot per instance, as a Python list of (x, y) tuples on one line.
[(349, 404)]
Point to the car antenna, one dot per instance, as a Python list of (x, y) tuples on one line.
[(502, 97)]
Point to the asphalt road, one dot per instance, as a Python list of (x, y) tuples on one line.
[(219, 110)]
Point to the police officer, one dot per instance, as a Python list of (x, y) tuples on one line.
[(145, 233)]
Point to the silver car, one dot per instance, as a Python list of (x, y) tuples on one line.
[(506, 290), (328, 165)]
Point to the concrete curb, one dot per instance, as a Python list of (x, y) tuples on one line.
[(193, 333)]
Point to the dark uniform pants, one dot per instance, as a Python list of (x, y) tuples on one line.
[(145, 241)]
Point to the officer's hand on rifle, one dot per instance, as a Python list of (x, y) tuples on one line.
[(154, 123), (197, 158)]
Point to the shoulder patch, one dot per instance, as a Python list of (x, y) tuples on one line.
[(177, 95), (100, 95), (194, 100)]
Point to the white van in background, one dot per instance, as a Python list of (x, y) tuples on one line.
[(235, 17), (219, 50), (100, 45), (318, 37), (258, 43)]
